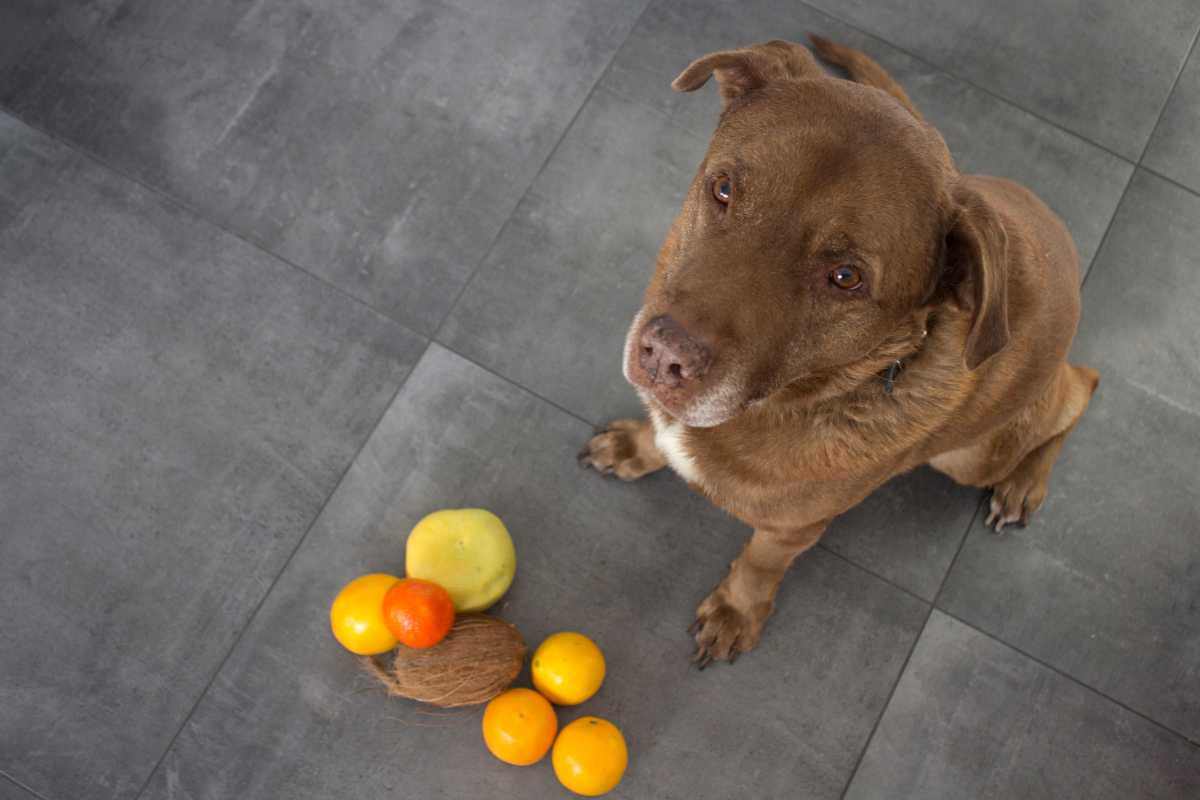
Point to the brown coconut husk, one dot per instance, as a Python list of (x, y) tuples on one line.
[(478, 659)]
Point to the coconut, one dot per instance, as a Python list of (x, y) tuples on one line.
[(478, 659)]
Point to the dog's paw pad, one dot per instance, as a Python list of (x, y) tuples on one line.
[(722, 632), (614, 451)]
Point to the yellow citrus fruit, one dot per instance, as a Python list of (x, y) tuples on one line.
[(356, 615), (519, 726), (568, 668), (466, 551), (590, 756)]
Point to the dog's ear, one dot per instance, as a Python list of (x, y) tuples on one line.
[(741, 72), (975, 268)]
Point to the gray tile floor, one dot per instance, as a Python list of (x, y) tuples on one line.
[(277, 278)]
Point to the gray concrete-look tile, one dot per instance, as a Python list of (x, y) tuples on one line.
[(11, 791), (292, 715), (1103, 585), (176, 407), (1140, 319), (974, 718), (378, 145), (1101, 69), (1174, 150), (908, 530), (550, 307)]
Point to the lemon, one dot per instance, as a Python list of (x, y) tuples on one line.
[(568, 668), (356, 616)]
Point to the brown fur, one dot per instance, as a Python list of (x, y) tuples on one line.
[(970, 281)]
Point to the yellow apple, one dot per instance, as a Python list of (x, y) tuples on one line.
[(466, 551)]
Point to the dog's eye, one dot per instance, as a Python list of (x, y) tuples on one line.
[(846, 277), (722, 189)]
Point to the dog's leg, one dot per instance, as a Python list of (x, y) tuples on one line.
[(1022, 491), (625, 449), (730, 620)]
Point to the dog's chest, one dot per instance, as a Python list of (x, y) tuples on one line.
[(668, 437)]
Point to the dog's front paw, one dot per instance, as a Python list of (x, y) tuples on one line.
[(723, 630), (625, 449), (1015, 499)]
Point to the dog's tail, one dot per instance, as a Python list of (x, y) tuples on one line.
[(862, 69)]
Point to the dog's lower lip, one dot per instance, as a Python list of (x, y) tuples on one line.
[(662, 397)]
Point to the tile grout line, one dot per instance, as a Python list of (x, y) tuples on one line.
[(253, 242), (4, 776), (916, 640), (275, 256), (971, 83), (1162, 112), (1071, 678), (517, 385), (1104, 237), (826, 549), (271, 588), (984, 632), (479, 265), (182, 205), (1138, 164), (1183, 187)]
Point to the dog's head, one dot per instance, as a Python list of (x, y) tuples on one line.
[(824, 215)]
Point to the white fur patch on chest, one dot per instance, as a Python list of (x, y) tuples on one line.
[(668, 437)]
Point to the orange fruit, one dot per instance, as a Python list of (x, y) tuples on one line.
[(590, 756), (356, 616), (519, 726), (418, 613), (568, 668)]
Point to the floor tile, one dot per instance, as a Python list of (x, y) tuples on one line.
[(11, 791), (292, 715), (177, 406), (908, 530), (1101, 69), (379, 145), (1140, 319), (1174, 150), (974, 718), (1103, 585), (551, 305)]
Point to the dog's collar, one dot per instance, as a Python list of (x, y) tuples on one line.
[(888, 376)]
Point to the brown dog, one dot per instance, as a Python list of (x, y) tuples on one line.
[(835, 305)]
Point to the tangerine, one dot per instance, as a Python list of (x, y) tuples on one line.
[(418, 613)]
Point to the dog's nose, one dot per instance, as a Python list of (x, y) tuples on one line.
[(670, 355)]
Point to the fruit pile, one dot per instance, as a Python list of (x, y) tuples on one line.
[(459, 562)]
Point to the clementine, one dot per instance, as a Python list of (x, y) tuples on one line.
[(567, 668), (418, 613)]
